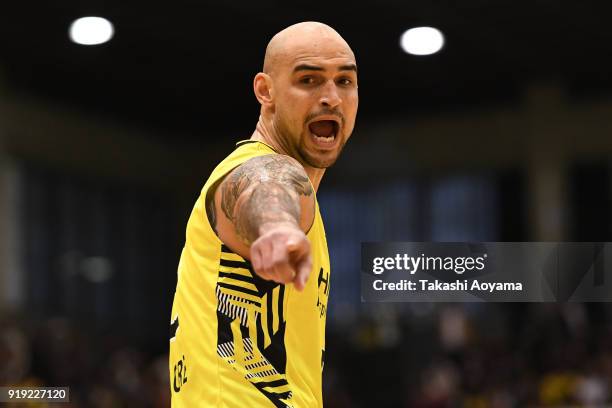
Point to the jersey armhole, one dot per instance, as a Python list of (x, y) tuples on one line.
[(314, 216), (210, 193)]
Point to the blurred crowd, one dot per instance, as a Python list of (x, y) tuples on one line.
[(472, 355), (101, 370), (418, 355)]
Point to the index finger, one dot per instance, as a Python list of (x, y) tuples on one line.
[(304, 267)]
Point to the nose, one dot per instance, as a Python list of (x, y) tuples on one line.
[(329, 95)]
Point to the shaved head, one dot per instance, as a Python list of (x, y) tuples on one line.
[(308, 93), (301, 36)]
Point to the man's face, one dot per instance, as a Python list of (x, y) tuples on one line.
[(316, 102)]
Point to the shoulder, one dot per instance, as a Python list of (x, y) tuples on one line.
[(275, 168), (272, 163)]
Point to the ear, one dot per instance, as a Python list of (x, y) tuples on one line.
[(264, 91)]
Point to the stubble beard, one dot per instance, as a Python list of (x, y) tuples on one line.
[(318, 162), (295, 145)]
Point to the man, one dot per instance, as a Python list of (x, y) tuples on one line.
[(248, 319)]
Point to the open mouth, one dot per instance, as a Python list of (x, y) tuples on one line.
[(324, 130)]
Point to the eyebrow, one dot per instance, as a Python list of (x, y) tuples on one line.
[(306, 67), (349, 67)]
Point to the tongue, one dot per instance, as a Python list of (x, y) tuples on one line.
[(322, 128)]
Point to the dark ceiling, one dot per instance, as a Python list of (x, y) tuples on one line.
[(186, 67)]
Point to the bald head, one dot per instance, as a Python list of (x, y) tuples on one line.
[(308, 94), (301, 38)]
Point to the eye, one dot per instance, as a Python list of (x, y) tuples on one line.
[(345, 81), (307, 80)]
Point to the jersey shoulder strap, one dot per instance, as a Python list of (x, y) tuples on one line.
[(245, 150)]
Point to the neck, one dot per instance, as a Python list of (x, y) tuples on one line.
[(265, 132)]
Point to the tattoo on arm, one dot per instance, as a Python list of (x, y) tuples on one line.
[(264, 189)]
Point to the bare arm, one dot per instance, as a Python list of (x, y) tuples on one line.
[(265, 189), (261, 210)]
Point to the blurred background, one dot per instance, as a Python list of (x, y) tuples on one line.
[(505, 134)]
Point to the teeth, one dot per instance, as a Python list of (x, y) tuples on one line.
[(324, 139)]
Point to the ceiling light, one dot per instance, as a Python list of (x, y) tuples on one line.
[(422, 41), (91, 30)]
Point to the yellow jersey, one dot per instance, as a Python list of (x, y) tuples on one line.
[(237, 340)]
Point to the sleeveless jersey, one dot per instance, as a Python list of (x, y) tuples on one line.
[(237, 340)]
